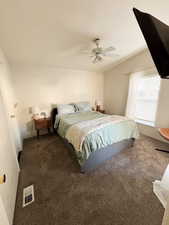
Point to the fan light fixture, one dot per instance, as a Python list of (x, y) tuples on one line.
[(99, 53)]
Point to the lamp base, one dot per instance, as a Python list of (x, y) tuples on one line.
[(98, 108)]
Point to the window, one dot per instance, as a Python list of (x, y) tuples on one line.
[(143, 97)]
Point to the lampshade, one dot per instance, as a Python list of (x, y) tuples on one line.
[(98, 102), (35, 110)]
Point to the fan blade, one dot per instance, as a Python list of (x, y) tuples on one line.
[(111, 55), (109, 49), (88, 52), (94, 60), (97, 59)]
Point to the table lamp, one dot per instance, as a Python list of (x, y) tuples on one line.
[(35, 111)]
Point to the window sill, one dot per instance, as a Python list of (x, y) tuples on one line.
[(144, 122)]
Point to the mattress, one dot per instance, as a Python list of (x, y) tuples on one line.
[(98, 138)]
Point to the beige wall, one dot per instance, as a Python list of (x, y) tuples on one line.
[(10, 142), (117, 81), (116, 91), (10, 100), (8, 166), (42, 87)]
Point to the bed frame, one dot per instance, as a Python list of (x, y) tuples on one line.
[(101, 155)]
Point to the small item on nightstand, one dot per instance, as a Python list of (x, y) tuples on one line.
[(101, 111), (98, 105), (43, 114), (44, 123), (98, 108)]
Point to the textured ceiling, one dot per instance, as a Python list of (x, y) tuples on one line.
[(54, 33)]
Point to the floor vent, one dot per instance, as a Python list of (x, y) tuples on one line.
[(28, 195)]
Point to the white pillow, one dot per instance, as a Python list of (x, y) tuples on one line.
[(65, 109), (83, 106)]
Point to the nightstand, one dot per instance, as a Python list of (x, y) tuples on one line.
[(101, 111), (42, 124)]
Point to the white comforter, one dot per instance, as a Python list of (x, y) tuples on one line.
[(77, 133)]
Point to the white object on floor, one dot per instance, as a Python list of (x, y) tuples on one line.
[(28, 195), (161, 192), (161, 188)]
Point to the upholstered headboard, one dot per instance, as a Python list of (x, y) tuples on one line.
[(53, 115)]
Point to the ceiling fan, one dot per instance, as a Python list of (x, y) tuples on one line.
[(98, 53)]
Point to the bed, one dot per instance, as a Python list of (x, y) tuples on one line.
[(94, 137)]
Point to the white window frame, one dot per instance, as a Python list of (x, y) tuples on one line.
[(130, 109)]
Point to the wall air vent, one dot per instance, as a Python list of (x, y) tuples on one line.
[(28, 195)]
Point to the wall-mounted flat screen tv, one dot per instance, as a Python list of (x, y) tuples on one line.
[(156, 34)]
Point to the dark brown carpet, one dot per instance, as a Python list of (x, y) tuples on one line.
[(117, 193)]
